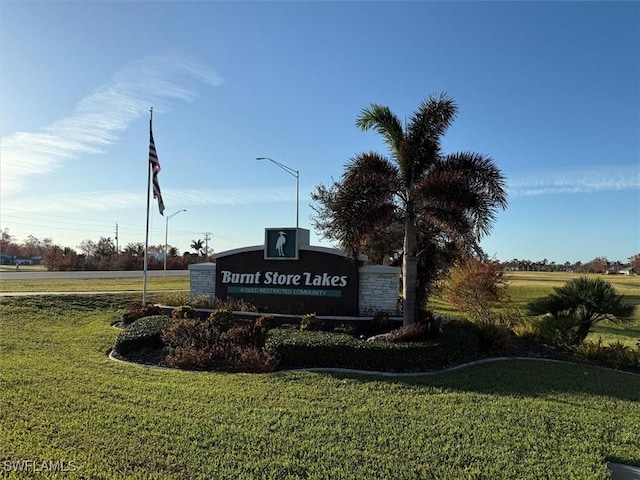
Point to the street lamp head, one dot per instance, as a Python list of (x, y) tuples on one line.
[(294, 173)]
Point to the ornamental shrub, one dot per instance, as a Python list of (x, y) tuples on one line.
[(493, 337), (217, 343), (311, 322), (184, 311), (381, 322), (143, 334), (615, 354), (223, 319), (558, 330), (139, 310), (302, 348), (265, 322)]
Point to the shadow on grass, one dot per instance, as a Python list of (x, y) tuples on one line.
[(620, 330), (523, 378)]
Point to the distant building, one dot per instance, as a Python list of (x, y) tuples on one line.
[(19, 259)]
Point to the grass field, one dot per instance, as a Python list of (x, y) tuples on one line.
[(95, 285), (63, 400)]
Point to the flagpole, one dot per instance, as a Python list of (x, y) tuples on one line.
[(146, 240)]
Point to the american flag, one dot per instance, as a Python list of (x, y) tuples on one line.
[(155, 168)]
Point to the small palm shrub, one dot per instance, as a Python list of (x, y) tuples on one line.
[(587, 301), (311, 322)]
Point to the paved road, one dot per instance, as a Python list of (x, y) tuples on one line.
[(12, 275)]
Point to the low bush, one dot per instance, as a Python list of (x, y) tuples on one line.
[(139, 310), (557, 330), (265, 322), (217, 343), (407, 333), (493, 337), (630, 359), (527, 331), (381, 322), (223, 319), (345, 328), (300, 348), (310, 322), (143, 334), (207, 302), (617, 355), (184, 311)]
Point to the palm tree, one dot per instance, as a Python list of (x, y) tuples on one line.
[(585, 300), (198, 246), (447, 200)]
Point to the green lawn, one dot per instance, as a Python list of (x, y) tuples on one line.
[(61, 399), (95, 284)]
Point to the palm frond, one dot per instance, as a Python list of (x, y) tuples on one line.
[(372, 167), (387, 124), (425, 130)]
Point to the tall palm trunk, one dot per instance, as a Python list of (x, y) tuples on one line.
[(409, 272)]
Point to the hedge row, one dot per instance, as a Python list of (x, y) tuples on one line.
[(297, 349)]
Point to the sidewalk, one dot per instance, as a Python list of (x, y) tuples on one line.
[(624, 472)]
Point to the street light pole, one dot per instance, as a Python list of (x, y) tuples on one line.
[(166, 236), (295, 173)]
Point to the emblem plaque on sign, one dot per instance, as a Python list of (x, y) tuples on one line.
[(281, 244)]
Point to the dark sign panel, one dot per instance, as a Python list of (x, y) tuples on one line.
[(318, 282)]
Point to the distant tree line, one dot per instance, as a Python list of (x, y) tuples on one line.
[(100, 255), (597, 265)]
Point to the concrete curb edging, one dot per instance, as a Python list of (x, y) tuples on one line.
[(384, 374)]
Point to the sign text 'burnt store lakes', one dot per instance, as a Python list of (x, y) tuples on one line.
[(314, 279), (306, 279)]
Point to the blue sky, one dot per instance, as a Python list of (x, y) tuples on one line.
[(551, 91)]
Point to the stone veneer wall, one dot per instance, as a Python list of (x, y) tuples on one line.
[(379, 286), (202, 279), (379, 289)]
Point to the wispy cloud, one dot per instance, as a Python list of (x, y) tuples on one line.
[(575, 180), (113, 201), (99, 118)]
